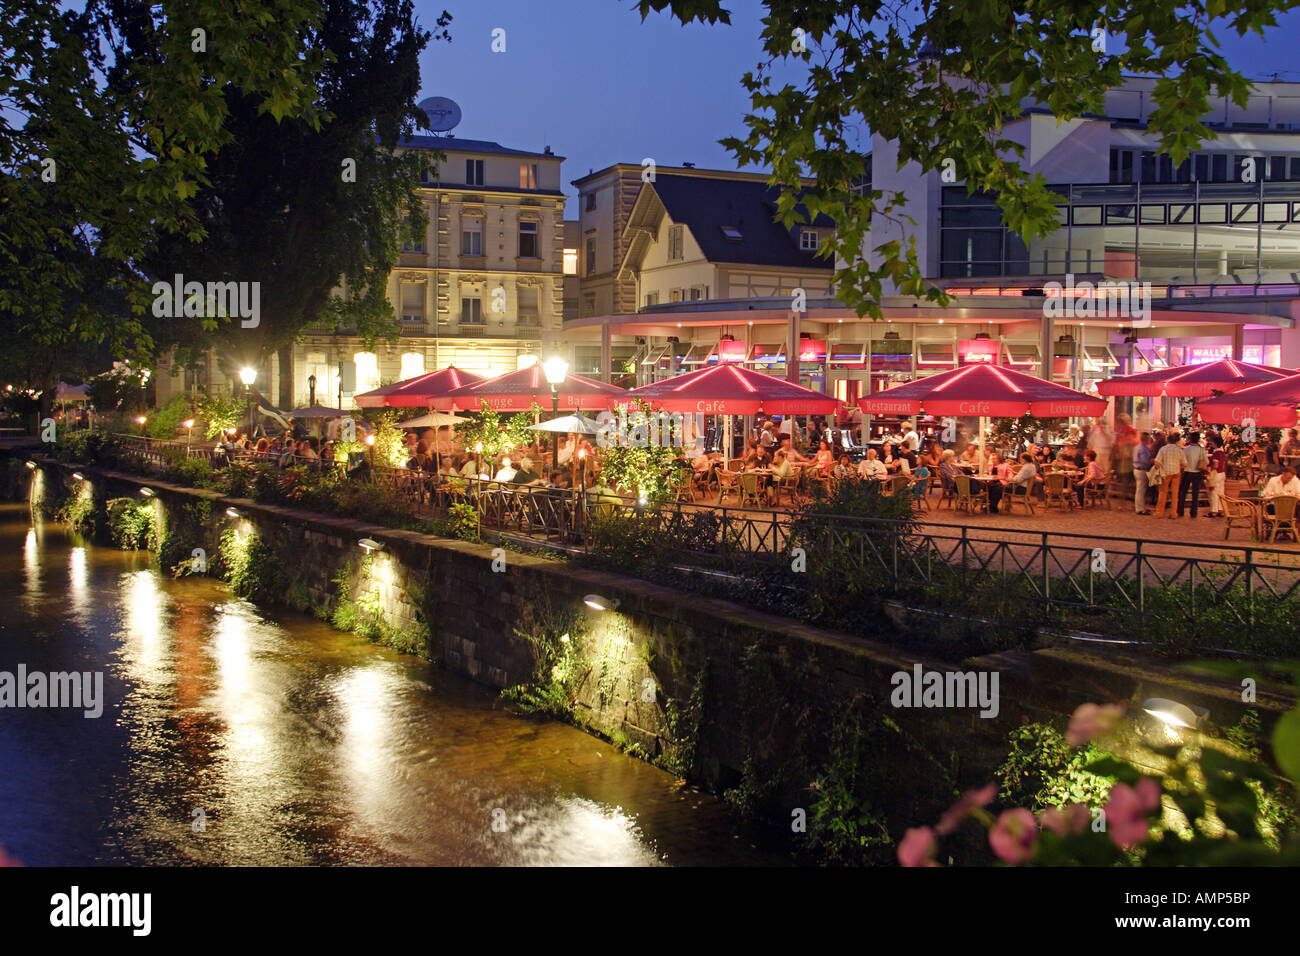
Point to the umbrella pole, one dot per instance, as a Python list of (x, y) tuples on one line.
[(983, 457)]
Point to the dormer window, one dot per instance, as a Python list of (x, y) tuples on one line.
[(732, 233), (808, 240)]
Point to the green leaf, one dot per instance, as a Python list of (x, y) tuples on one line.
[(1286, 744)]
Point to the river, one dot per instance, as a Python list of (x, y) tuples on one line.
[(235, 736)]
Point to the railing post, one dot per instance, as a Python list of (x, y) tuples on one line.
[(1250, 588), (964, 545), (1047, 577), (1142, 582)]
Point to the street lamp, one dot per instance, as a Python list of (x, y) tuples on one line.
[(555, 369), (248, 375), (311, 386), (189, 432)]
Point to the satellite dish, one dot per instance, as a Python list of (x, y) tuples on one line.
[(443, 113)]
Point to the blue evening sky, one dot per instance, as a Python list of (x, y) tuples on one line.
[(588, 78)]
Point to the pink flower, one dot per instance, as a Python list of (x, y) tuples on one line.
[(917, 847), (1014, 835), (1127, 809), (1063, 822), (1089, 720), (955, 814)]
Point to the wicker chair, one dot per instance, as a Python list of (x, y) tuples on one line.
[(1097, 493), (750, 489), (1056, 490), (1237, 510), (728, 481), (1283, 517), (896, 484), (1020, 494), (967, 499)]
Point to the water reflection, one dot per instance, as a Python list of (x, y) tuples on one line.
[(298, 744)]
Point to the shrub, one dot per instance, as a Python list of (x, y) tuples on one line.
[(251, 568), (133, 524)]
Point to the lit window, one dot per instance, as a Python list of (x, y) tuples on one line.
[(367, 370), (527, 175), (412, 364), (676, 242), (570, 262)]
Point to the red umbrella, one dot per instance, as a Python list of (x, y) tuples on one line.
[(517, 391), (988, 391), (417, 392), (1271, 405), (734, 390), (1193, 381)]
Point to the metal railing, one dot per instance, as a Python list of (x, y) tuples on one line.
[(1097, 573)]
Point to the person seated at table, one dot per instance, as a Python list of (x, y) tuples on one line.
[(559, 479), (931, 457), (1292, 444), (750, 453), (894, 461), (1285, 483), (1000, 468), (872, 467), (524, 474), (791, 453), (507, 470), (1027, 475), (1092, 475), (825, 458), (781, 467), (470, 467), (843, 469), (948, 468), (419, 462), (763, 459)]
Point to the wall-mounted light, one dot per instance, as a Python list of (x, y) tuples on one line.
[(31, 464), (147, 492), (599, 603), (233, 513), (370, 544), (1169, 719), (79, 476)]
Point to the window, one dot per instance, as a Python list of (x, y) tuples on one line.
[(651, 298), (699, 292), (415, 247), (471, 310), (527, 239), (471, 237), (527, 175), (570, 257), (732, 233), (675, 295), (591, 201), (473, 172), (808, 240), (588, 304), (426, 175), (676, 244), (413, 303), (367, 371), (591, 255), (412, 365), (529, 312)]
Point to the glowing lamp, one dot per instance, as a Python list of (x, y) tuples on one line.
[(600, 603)]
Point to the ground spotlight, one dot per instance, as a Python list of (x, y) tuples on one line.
[(370, 544), (79, 476), (599, 603), (147, 492), (1170, 719), (233, 513), (31, 464)]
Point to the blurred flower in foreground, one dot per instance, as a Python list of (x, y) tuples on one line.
[(1089, 720), (955, 814), (917, 847), (1014, 835)]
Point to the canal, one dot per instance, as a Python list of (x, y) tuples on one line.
[(230, 735)]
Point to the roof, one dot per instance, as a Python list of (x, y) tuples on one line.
[(458, 145), (707, 206)]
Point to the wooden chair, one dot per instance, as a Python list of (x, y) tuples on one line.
[(921, 492), (735, 464), (750, 489), (1283, 517), (728, 481), (967, 499), (1097, 493), (1020, 494), (1237, 510), (946, 491), (1056, 490), (684, 485)]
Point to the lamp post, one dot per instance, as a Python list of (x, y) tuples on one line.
[(189, 434), (311, 389), (248, 375), (555, 369)]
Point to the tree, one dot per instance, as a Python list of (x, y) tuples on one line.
[(942, 80), (310, 205), (96, 155)]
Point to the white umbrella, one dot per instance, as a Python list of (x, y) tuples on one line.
[(568, 423), (434, 420)]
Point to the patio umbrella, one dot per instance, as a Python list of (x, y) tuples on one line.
[(418, 391), (517, 392), (988, 391), (734, 390), (71, 393), (1193, 381), (433, 420), (317, 411), (1271, 405), (568, 423)]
